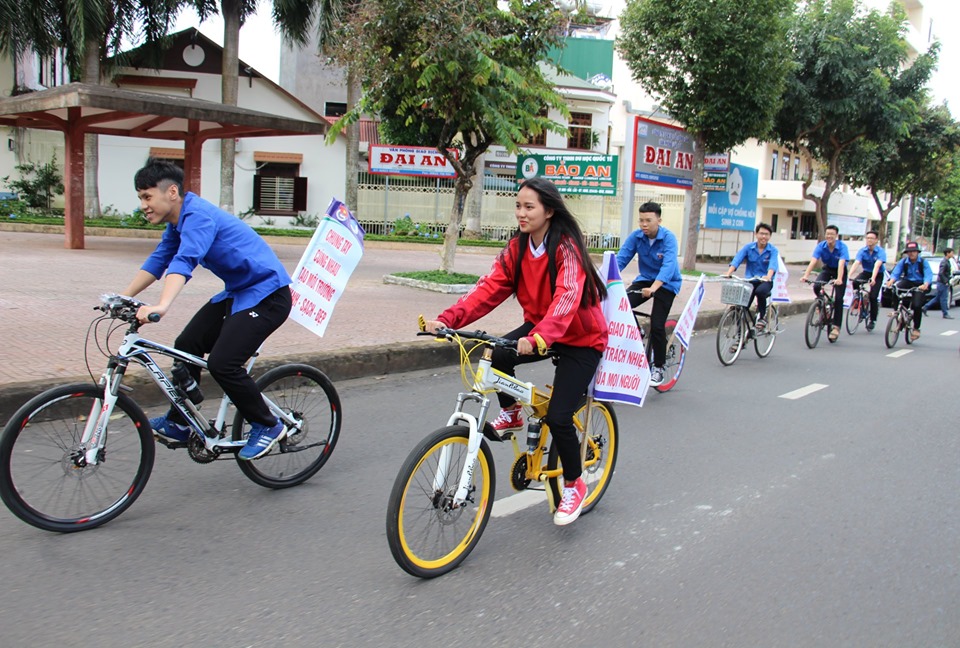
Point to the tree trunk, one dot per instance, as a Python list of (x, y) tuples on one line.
[(354, 90), (91, 148), (474, 203), (696, 201), (448, 253), (230, 9)]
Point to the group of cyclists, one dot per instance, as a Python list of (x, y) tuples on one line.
[(546, 266)]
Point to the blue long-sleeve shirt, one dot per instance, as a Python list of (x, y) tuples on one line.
[(208, 236), (758, 263), (918, 271), (656, 260)]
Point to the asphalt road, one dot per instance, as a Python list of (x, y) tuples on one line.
[(736, 517)]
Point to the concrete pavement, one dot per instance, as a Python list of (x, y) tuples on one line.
[(47, 295)]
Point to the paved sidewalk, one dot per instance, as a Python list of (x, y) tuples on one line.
[(47, 295)]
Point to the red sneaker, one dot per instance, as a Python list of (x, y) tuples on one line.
[(509, 420), (571, 503)]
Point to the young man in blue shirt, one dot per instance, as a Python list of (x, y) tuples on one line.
[(762, 259), (656, 250), (871, 258), (834, 255), (234, 323), (912, 272)]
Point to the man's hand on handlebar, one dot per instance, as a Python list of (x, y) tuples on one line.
[(148, 313)]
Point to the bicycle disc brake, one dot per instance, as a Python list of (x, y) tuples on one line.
[(518, 474)]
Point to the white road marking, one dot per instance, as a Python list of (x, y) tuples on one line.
[(524, 499), (900, 353), (803, 391), (949, 333)]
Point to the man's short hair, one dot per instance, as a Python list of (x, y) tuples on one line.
[(761, 226), (948, 251), (874, 232), (832, 227), (650, 207), (157, 172)]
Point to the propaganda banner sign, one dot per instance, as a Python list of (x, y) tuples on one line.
[(662, 154), (421, 161)]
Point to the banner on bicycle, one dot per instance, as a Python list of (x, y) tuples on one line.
[(779, 293), (623, 374), (326, 265), (688, 317)]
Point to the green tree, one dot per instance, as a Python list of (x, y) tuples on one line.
[(850, 82), (917, 162), (468, 66), (946, 205), (718, 74), (38, 183)]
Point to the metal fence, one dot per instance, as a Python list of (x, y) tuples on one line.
[(382, 200)]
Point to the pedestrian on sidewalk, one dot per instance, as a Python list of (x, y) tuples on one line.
[(944, 273)]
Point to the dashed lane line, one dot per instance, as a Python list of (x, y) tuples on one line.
[(803, 391), (900, 353)]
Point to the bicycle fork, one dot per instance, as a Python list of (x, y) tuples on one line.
[(464, 486)]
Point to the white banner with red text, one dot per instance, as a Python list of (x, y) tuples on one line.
[(688, 317)]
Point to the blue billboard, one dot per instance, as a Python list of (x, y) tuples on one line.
[(735, 208)]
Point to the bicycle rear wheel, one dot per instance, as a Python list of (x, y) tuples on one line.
[(814, 326), (764, 341), (42, 479), (853, 315), (601, 457), (307, 394), (428, 537), (673, 365), (731, 334), (893, 330)]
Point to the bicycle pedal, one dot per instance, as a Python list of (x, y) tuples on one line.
[(173, 445)]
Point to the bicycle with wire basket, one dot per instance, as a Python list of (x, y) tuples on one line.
[(675, 355), (860, 309), (820, 313), (443, 495), (901, 318), (738, 324), (77, 456)]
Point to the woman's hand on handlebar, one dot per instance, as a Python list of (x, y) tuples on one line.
[(432, 326), (524, 347), (148, 313)]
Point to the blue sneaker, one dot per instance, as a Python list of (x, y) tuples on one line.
[(169, 431), (262, 439)]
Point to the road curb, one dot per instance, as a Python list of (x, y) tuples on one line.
[(345, 364)]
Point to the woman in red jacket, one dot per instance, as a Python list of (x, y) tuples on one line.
[(547, 267)]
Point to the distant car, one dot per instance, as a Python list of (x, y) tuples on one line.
[(886, 297), (499, 183)]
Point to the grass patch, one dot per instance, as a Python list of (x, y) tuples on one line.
[(439, 276)]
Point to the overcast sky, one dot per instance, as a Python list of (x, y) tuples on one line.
[(260, 45)]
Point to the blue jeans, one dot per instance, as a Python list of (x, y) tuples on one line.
[(940, 298)]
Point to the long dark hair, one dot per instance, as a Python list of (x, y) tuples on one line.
[(564, 230)]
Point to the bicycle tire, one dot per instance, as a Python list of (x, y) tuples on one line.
[(893, 331), (764, 341), (37, 444), (308, 394), (425, 538), (605, 433), (907, 326), (731, 333), (814, 324), (853, 316), (676, 355)]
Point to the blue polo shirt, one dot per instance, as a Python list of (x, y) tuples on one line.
[(758, 263), (868, 258), (656, 260), (223, 244), (831, 259), (918, 271)]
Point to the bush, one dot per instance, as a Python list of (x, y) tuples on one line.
[(13, 209), (38, 183)]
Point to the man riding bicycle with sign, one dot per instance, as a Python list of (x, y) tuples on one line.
[(762, 259), (871, 258), (234, 323), (912, 271), (834, 255)]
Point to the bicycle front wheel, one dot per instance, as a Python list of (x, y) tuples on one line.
[(764, 341), (603, 444), (893, 330), (305, 393), (907, 326), (673, 364), (427, 535), (853, 316), (43, 479), (811, 332), (730, 336)]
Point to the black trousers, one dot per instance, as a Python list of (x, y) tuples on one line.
[(230, 340), (761, 290), (864, 278), (919, 299), (830, 274), (576, 367), (662, 303)]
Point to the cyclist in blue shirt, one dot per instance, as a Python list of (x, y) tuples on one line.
[(871, 258), (912, 271), (656, 250), (762, 259), (234, 323), (834, 255)]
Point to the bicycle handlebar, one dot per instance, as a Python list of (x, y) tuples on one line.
[(445, 333), (123, 308)]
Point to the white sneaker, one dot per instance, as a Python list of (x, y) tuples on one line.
[(656, 376)]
